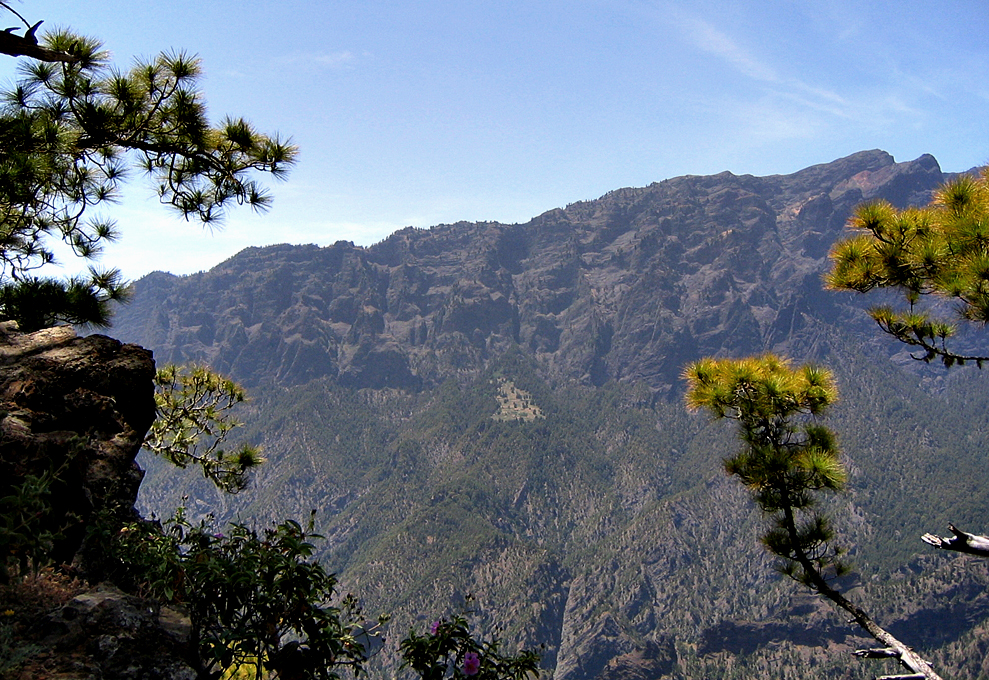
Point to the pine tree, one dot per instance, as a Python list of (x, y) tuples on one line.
[(786, 461), (940, 252), (72, 129)]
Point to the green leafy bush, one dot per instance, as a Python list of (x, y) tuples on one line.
[(255, 598), (27, 534)]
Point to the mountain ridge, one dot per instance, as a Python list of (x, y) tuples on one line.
[(422, 303), (605, 529)]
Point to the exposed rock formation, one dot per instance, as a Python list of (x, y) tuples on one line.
[(651, 662), (627, 287), (104, 633), (78, 408)]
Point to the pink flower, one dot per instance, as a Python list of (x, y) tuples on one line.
[(433, 629), (472, 663)]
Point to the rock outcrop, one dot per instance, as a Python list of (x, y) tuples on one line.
[(73, 413), (105, 633), (77, 409)]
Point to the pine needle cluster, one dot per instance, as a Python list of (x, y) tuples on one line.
[(785, 459), (941, 250), (73, 130)]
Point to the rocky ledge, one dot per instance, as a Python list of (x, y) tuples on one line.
[(73, 414), (74, 409)]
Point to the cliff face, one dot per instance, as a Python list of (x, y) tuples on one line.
[(78, 409), (74, 412), (627, 287)]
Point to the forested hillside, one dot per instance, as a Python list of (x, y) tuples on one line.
[(496, 410)]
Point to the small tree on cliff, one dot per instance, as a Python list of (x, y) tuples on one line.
[(72, 129), (786, 461)]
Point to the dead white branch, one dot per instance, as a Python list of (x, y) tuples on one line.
[(962, 541)]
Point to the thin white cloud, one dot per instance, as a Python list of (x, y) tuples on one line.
[(335, 59), (323, 60), (706, 37), (790, 107), (772, 120)]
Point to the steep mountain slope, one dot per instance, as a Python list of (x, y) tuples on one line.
[(626, 287), (494, 409)]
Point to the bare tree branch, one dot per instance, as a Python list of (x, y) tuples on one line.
[(27, 46), (962, 541), (884, 653), (919, 668)]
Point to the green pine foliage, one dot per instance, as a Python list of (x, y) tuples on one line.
[(72, 131), (784, 461), (786, 464), (940, 251)]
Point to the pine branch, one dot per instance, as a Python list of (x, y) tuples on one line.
[(931, 350), (918, 667)]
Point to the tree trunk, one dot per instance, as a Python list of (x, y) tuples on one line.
[(919, 669)]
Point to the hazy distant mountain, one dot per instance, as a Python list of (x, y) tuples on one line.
[(494, 409)]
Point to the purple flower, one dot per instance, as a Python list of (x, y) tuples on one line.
[(218, 535), (433, 629), (472, 663)]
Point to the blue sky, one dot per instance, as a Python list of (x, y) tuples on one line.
[(421, 113)]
